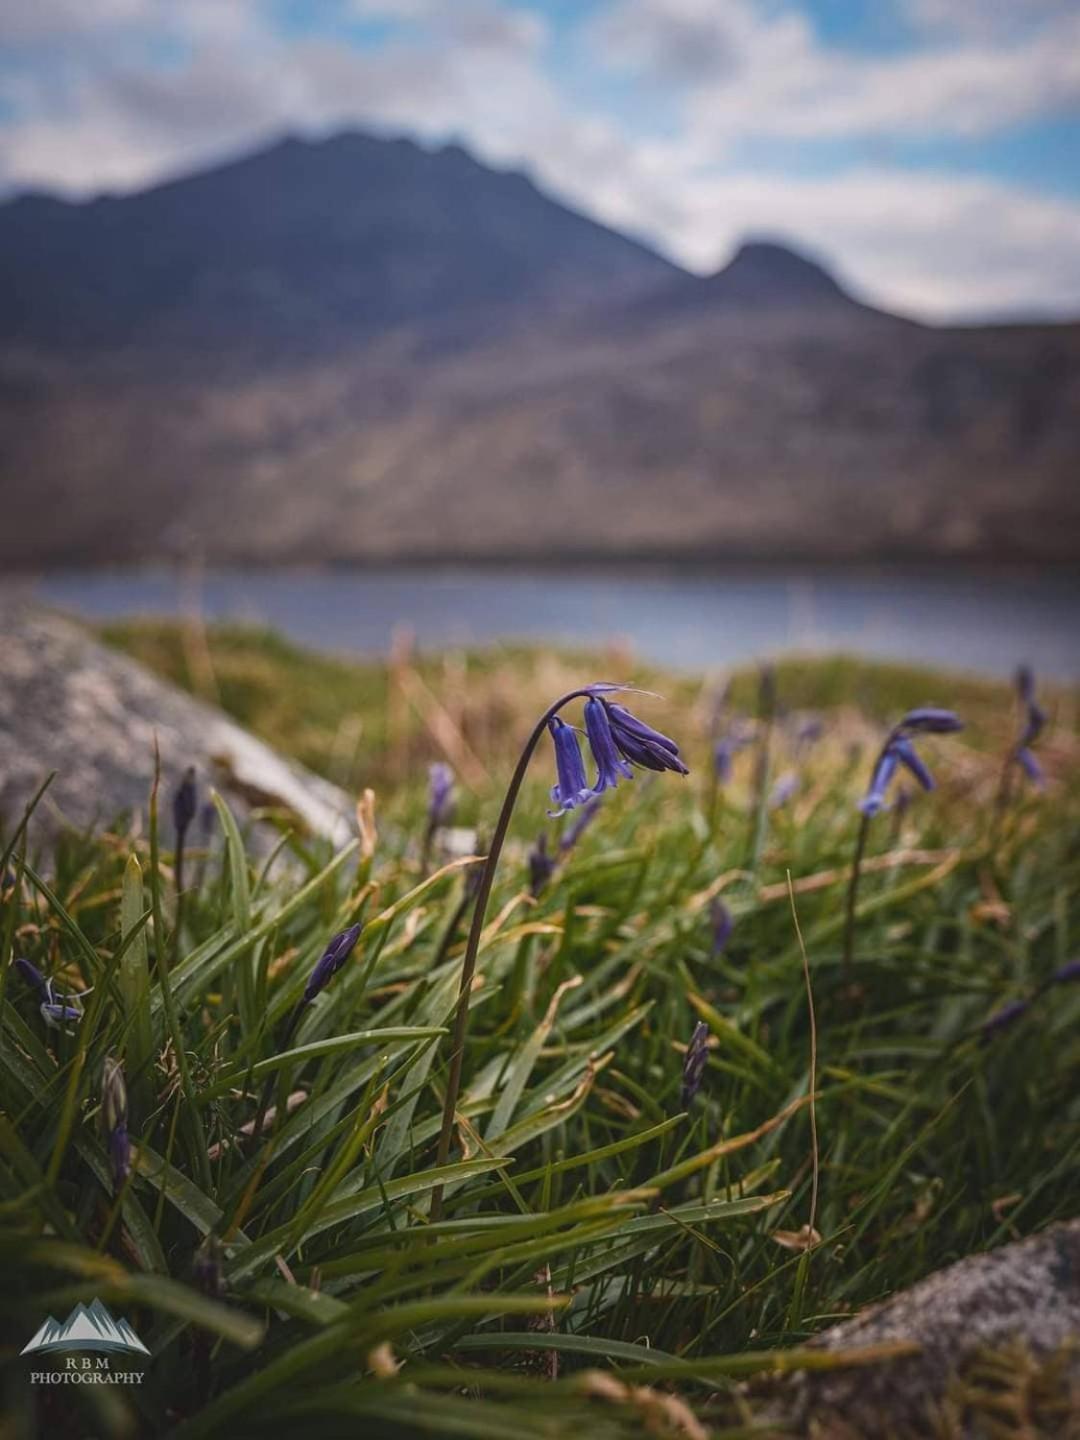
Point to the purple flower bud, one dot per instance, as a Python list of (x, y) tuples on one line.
[(1003, 1018), (929, 720), (909, 757), (57, 1012), (1068, 972), (572, 786), (1030, 766), (810, 730), (785, 789), (722, 925), (33, 977), (1034, 722), (541, 866), (640, 743), (440, 794), (697, 1053), (884, 770), (185, 801), (727, 747), (1025, 684), (610, 765), (723, 755), (331, 961)]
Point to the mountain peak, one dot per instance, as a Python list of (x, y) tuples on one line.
[(765, 272), (308, 243)]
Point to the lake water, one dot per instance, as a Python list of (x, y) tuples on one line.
[(981, 622)]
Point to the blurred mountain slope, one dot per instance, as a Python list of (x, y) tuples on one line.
[(359, 349)]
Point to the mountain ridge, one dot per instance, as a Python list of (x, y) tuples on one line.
[(446, 362)]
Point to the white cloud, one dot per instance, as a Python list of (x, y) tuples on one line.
[(933, 244), (746, 71)]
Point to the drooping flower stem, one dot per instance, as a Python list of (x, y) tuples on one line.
[(853, 893), (472, 947)]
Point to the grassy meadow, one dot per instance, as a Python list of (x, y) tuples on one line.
[(608, 1260)]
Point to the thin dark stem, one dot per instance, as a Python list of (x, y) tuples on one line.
[(178, 871), (468, 963), (853, 893), (272, 1080), (425, 850)]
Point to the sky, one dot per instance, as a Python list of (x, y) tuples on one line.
[(929, 150)]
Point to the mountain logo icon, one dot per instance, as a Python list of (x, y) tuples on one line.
[(88, 1327)]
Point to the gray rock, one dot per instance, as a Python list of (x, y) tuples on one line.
[(1023, 1298), (69, 704)]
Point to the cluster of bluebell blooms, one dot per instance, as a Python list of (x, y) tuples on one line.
[(56, 1009), (618, 741), (899, 749), (1033, 722)]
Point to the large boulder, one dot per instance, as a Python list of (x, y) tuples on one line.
[(71, 705), (996, 1335)]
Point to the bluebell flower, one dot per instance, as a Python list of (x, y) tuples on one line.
[(640, 743), (440, 794), (912, 761), (114, 1112), (930, 720), (899, 750), (541, 866), (33, 977), (785, 789), (610, 766), (738, 735), (572, 786), (619, 740), (1030, 766), (723, 755), (697, 1054), (1032, 726), (1003, 1018), (56, 1009), (722, 925), (1068, 973), (809, 731), (874, 799), (185, 802), (331, 961)]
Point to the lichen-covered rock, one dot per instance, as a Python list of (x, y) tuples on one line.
[(69, 704), (1016, 1308)]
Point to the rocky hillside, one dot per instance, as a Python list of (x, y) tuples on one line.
[(360, 349)]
